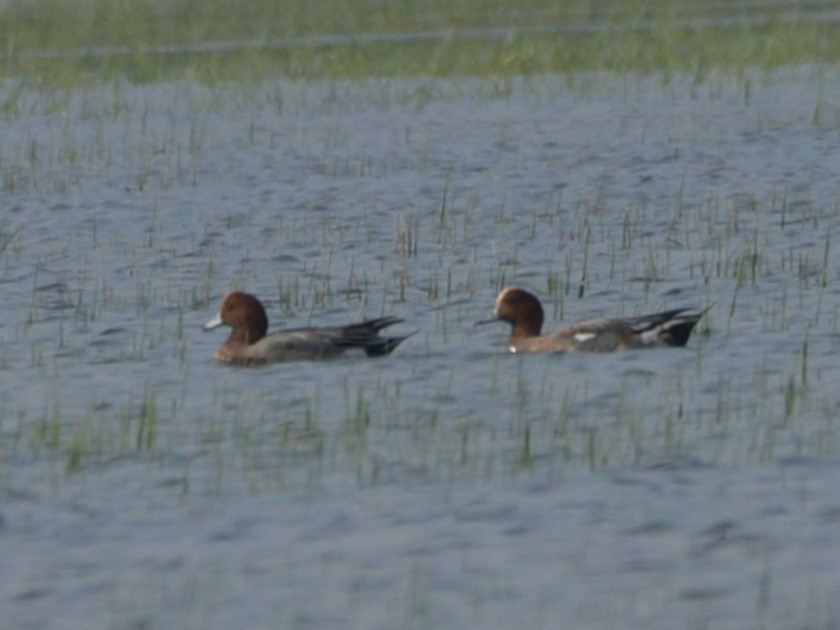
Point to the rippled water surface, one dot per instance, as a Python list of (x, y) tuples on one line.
[(450, 484)]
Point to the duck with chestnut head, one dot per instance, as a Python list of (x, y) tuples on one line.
[(249, 343), (523, 311)]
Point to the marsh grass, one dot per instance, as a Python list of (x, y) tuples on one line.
[(63, 42), (542, 425), (371, 430), (447, 409)]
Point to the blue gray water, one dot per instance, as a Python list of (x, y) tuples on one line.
[(450, 484)]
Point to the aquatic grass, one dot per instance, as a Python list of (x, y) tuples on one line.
[(6, 238), (449, 415), (62, 43), (147, 418), (724, 243), (622, 429), (78, 437)]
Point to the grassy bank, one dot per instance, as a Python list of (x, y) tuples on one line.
[(64, 41)]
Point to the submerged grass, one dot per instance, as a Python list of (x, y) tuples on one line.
[(65, 42)]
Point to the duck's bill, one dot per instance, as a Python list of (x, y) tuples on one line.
[(481, 322), (214, 323)]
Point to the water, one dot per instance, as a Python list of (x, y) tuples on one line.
[(451, 484)]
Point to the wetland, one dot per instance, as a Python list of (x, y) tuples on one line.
[(376, 159)]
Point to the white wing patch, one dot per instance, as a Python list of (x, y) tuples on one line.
[(583, 337)]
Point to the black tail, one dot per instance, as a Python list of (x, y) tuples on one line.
[(366, 335), (677, 330)]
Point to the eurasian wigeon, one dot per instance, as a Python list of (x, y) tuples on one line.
[(523, 311), (249, 345)]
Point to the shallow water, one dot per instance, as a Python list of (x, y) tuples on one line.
[(450, 484)]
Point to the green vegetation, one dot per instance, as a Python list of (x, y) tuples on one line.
[(398, 424), (66, 42)]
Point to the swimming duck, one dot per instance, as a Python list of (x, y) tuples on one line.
[(523, 311), (249, 345)]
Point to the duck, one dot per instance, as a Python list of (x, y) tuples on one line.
[(523, 311), (248, 343)]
